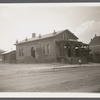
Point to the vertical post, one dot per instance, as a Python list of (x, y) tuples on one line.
[(62, 49), (79, 50), (71, 46), (73, 50)]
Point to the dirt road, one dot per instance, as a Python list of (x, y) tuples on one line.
[(36, 78)]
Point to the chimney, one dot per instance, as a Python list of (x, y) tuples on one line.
[(26, 39), (33, 35), (39, 35), (54, 32), (16, 41)]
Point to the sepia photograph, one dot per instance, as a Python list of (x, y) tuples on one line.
[(49, 47)]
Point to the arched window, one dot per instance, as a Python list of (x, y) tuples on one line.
[(33, 52)]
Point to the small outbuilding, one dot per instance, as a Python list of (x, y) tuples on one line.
[(9, 57)]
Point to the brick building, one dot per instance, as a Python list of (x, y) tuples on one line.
[(61, 46)]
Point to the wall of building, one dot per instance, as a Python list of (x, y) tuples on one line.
[(47, 57), (94, 53), (19, 57), (40, 56), (9, 57), (95, 48)]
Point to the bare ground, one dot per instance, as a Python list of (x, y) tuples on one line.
[(49, 78)]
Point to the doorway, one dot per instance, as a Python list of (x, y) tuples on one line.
[(33, 52), (67, 50)]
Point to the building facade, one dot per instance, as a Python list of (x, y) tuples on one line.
[(9, 57), (61, 46), (94, 46)]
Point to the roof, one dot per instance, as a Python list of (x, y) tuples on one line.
[(45, 36), (95, 41), (7, 52)]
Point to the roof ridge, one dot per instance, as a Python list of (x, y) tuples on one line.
[(49, 35), (52, 32)]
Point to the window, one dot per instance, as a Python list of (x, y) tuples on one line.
[(44, 49), (63, 37), (22, 52), (19, 52), (67, 37), (48, 48)]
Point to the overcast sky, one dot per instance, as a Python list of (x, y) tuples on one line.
[(18, 21)]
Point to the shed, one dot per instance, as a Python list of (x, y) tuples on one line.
[(9, 57)]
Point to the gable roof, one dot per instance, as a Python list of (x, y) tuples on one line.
[(46, 36), (95, 41)]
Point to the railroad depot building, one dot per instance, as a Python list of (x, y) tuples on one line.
[(60, 46)]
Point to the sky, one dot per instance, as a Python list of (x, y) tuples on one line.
[(18, 21)]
